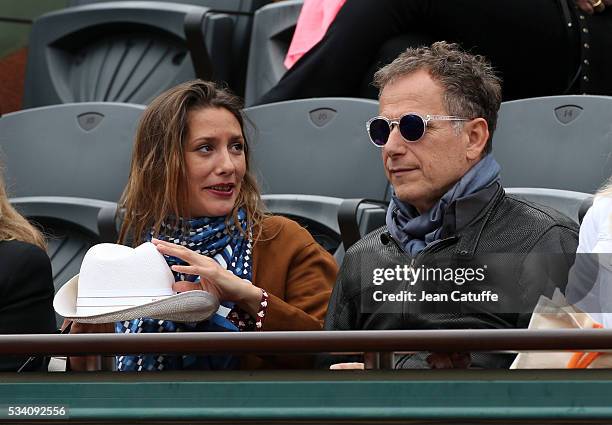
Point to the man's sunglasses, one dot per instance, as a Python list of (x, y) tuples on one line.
[(411, 126)]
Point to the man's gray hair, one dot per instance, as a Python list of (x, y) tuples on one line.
[(471, 88)]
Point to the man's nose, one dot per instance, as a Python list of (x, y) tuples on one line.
[(395, 145)]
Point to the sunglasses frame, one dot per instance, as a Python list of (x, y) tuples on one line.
[(396, 122)]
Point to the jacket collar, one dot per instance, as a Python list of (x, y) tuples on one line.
[(467, 217)]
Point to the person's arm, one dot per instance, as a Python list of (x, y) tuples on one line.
[(305, 292), (311, 274)]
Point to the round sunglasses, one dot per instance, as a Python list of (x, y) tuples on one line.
[(411, 126)]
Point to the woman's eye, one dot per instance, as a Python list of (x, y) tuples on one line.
[(205, 148), (238, 146)]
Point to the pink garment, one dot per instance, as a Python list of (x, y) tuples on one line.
[(315, 18)]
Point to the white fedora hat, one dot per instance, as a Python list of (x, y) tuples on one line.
[(118, 283)]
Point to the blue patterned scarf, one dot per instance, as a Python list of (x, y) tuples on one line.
[(208, 236), (414, 231)]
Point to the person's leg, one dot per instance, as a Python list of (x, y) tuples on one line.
[(336, 66)]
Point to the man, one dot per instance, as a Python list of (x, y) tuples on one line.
[(438, 110)]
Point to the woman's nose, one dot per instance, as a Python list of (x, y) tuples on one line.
[(225, 164)]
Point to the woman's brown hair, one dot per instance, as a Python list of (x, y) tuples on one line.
[(157, 186), (13, 226)]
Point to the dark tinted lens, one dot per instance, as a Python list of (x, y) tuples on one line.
[(412, 127), (379, 131)]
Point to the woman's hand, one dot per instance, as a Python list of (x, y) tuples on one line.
[(587, 5), (213, 278), (92, 362)]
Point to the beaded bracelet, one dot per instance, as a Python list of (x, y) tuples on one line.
[(263, 306)]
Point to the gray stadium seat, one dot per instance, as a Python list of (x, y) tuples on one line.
[(559, 142), (124, 51), (273, 29), (319, 214), (70, 226), (241, 12), (565, 201), (80, 150), (316, 147)]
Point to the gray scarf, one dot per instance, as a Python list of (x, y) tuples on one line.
[(415, 231)]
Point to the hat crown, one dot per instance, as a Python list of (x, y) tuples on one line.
[(111, 270)]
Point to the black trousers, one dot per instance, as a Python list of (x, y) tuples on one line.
[(529, 43)]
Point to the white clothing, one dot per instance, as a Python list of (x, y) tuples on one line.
[(596, 237)]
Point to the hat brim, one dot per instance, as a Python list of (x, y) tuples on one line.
[(190, 306)]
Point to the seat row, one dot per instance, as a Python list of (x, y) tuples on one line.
[(117, 51), (65, 164)]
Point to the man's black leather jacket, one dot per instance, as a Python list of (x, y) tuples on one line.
[(518, 235)]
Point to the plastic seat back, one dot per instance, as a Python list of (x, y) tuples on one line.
[(565, 201), (124, 51), (316, 147), (559, 142), (79, 150), (242, 13)]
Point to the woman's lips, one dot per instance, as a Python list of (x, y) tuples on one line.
[(222, 191)]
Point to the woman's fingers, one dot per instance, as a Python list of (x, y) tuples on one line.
[(184, 253), (175, 250), (183, 286), (186, 269)]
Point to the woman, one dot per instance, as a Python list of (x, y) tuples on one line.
[(26, 283), (540, 48), (192, 193)]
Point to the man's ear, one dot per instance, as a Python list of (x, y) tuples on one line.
[(477, 133)]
